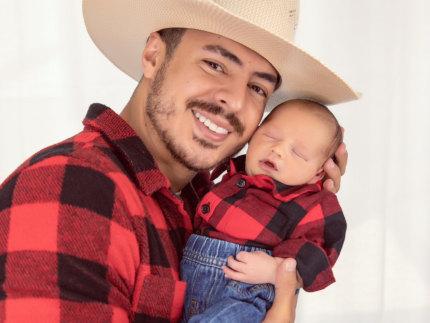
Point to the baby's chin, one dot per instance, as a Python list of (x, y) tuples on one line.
[(276, 178), (262, 172)]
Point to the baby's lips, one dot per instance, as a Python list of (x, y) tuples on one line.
[(268, 165)]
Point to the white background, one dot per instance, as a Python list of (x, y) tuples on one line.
[(50, 72)]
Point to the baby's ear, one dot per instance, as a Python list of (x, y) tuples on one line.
[(319, 176)]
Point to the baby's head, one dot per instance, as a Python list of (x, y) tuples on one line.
[(293, 143)]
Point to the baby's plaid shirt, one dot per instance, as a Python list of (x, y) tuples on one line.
[(302, 222)]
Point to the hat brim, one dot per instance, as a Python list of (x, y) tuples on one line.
[(120, 30)]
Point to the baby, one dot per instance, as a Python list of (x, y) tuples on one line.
[(271, 204)]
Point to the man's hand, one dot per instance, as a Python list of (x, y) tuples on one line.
[(334, 170), (284, 307)]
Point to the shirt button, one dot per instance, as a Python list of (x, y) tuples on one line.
[(205, 208), (240, 183), (198, 232)]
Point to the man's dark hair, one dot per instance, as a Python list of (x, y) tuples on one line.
[(171, 37)]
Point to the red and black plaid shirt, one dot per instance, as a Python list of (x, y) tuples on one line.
[(302, 222), (90, 231)]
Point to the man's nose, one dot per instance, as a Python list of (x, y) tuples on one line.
[(232, 95)]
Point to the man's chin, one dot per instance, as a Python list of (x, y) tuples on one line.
[(198, 167), (194, 159), (202, 156), (200, 163), (204, 144)]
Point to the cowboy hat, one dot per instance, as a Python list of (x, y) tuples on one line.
[(120, 29)]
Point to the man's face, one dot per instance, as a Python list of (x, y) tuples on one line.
[(291, 146), (208, 100)]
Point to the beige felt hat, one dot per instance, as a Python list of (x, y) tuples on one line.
[(120, 29)]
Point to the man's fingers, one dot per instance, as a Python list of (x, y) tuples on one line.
[(284, 305), (341, 158), (332, 183), (334, 171), (285, 287), (286, 279), (329, 186), (299, 281), (293, 314)]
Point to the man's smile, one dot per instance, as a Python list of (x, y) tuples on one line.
[(211, 125), (228, 122), (208, 128)]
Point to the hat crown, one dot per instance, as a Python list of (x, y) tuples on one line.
[(280, 17), (119, 28)]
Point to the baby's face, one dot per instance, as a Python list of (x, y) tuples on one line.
[(290, 147)]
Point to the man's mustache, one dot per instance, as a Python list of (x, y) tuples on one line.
[(218, 110)]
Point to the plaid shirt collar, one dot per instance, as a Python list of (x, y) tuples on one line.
[(149, 178), (280, 191)]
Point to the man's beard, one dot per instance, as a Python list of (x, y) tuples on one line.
[(159, 111)]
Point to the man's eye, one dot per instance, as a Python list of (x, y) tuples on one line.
[(259, 90), (215, 66)]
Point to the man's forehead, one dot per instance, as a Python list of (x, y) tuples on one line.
[(227, 43)]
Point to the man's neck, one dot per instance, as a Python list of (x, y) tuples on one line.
[(178, 175), (134, 113)]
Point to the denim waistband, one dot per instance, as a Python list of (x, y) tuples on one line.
[(214, 252)]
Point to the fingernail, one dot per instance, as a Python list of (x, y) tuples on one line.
[(330, 185), (290, 266), (331, 163)]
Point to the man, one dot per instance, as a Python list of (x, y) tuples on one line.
[(92, 229)]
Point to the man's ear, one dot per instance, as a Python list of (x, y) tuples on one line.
[(319, 176), (153, 55)]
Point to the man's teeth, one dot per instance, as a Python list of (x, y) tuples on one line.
[(212, 126)]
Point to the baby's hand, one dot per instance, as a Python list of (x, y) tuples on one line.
[(252, 267)]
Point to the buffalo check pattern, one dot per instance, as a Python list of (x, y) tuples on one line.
[(302, 222), (90, 231)]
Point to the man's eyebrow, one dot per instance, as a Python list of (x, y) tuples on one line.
[(223, 52), (268, 77), (275, 80)]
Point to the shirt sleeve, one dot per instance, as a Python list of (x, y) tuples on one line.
[(316, 243), (56, 254)]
